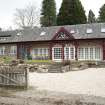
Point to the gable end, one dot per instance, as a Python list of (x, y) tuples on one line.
[(63, 34)]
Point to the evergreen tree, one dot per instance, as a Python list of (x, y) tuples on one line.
[(71, 12), (48, 13), (91, 17), (102, 14)]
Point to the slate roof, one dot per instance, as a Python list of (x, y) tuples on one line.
[(35, 34)]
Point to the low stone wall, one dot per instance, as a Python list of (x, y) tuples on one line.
[(22, 67), (38, 68)]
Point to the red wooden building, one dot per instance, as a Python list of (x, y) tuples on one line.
[(58, 43)]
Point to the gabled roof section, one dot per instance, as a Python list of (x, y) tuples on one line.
[(63, 34), (67, 32)]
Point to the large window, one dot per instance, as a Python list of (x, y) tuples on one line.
[(57, 53), (69, 53), (81, 53), (89, 53), (13, 50), (40, 53), (72, 53), (2, 50), (86, 53), (97, 53)]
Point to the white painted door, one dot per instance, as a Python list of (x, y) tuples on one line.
[(69, 53)]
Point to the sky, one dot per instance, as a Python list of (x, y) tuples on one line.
[(8, 7)]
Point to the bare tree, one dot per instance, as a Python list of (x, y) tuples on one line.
[(27, 17)]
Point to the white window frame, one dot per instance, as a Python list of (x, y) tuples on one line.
[(13, 50), (2, 50), (53, 58), (103, 29), (69, 55), (100, 55), (40, 52), (89, 31), (89, 56)]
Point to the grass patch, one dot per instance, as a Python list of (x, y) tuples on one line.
[(6, 59), (38, 61)]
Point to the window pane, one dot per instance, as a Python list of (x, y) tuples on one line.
[(69, 53), (72, 53), (86, 54), (66, 53), (91, 53), (81, 53), (97, 53), (2, 50), (35, 51), (57, 53), (47, 51), (13, 50), (40, 52)]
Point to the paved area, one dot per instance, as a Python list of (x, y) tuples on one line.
[(60, 88), (90, 81)]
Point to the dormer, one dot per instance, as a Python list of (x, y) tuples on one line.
[(42, 33), (89, 30), (62, 34), (103, 29), (19, 33), (72, 31)]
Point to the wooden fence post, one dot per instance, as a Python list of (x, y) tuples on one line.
[(26, 77)]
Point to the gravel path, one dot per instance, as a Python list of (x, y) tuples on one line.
[(60, 89), (90, 81)]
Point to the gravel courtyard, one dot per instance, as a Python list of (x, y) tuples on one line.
[(85, 87), (90, 81)]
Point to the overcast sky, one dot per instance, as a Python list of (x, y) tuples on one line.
[(7, 8)]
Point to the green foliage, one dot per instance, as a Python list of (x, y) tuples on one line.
[(71, 12), (29, 57), (102, 14), (48, 13), (91, 17), (6, 59), (38, 61)]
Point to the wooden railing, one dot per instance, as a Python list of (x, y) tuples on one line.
[(14, 76)]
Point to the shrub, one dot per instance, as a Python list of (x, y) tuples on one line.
[(14, 62), (29, 57), (21, 61), (65, 63), (6, 59)]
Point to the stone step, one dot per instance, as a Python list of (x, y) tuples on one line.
[(54, 71), (54, 68), (100, 62)]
